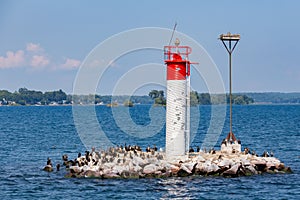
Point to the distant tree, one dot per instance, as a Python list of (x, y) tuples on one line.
[(55, 96), (239, 100), (194, 98), (160, 101), (204, 99), (154, 94), (158, 97), (4, 94), (161, 93)]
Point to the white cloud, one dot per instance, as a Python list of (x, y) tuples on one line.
[(39, 61), (34, 47), (12, 59), (71, 64), (34, 56)]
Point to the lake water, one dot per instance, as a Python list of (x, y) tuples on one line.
[(31, 134)]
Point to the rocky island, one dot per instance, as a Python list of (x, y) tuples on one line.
[(132, 162)]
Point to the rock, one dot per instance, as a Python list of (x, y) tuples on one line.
[(287, 170), (184, 168), (189, 166), (75, 169), (137, 168), (199, 159), (108, 165), (259, 164), (111, 175), (91, 174), (166, 174), (174, 169), (48, 168), (250, 170), (232, 171), (200, 169), (107, 171), (245, 162), (225, 163), (125, 174), (134, 175), (271, 166), (158, 174), (132, 164), (194, 168), (261, 167), (212, 169), (183, 173), (149, 169), (117, 169), (280, 166), (139, 161)]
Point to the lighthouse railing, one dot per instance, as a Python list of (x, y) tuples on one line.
[(183, 51)]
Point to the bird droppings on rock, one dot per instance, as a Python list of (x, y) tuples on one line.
[(132, 162)]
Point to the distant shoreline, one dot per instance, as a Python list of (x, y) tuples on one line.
[(27, 97), (65, 105)]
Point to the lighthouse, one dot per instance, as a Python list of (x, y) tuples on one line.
[(178, 98)]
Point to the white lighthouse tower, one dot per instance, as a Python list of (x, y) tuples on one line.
[(178, 93)]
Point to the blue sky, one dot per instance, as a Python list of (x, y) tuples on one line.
[(43, 43)]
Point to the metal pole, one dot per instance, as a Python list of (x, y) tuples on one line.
[(230, 37), (188, 115), (230, 92)]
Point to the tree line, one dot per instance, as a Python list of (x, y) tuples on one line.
[(275, 97), (204, 98), (25, 96), (30, 97)]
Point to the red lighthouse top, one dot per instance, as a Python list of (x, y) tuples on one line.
[(178, 64)]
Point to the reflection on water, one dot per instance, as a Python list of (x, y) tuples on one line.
[(174, 188)]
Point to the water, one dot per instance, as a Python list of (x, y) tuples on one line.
[(30, 134)]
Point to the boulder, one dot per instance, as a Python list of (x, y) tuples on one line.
[(174, 169), (288, 170), (200, 169), (91, 174), (75, 169), (149, 169), (137, 168), (185, 168), (125, 174), (190, 166), (270, 166), (118, 169), (199, 159), (280, 166), (183, 171), (107, 171), (212, 169), (111, 175), (232, 171), (139, 161), (261, 167), (245, 162), (108, 165), (260, 164), (250, 170), (225, 163)]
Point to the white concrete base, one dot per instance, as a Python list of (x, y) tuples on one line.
[(177, 159), (230, 148)]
